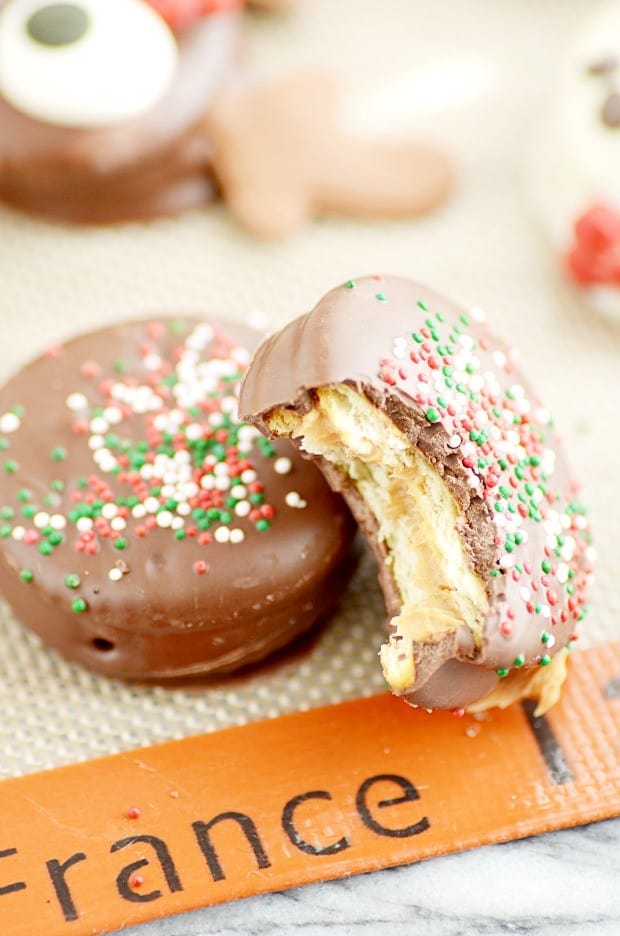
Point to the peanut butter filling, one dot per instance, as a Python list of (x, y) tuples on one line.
[(416, 522)]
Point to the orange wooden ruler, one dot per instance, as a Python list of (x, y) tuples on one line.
[(305, 797)]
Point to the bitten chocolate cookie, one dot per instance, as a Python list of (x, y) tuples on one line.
[(421, 418), (112, 110), (144, 530)]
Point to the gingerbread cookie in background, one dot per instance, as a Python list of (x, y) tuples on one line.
[(574, 166), (113, 110), (144, 531), (421, 418)]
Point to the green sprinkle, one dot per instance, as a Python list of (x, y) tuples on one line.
[(494, 573), (58, 453), (24, 495), (256, 498), (7, 513), (545, 637), (381, 297), (79, 606), (26, 575), (545, 566), (46, 549), (55, 538), (417, 337), (179, 534), (262, 524), (5, 531), (120, 543), (432, 415), (29, 511), (176, 326), (4, 444), (502, 672), (350, 284), (545, 660), (11, 466), (120, 367), (520, 660), (422, 305), (73, 581)]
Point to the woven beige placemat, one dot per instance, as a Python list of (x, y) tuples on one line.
[(473, 75)]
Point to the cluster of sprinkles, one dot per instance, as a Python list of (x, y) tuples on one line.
[(168, 453), (500, 436)]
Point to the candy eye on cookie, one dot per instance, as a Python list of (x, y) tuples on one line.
[(85, 63)]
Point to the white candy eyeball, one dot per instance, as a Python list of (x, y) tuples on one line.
[(85, 63)]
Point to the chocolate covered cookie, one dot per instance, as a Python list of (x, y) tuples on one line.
[(144, 530), (112, 110), (421, 418)]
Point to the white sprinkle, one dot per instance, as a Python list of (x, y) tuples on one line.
[(550, 641), (84, 524), (184, 509), (164, 518), (177, 523), (562, 573), (194, 431), (545, 611), (41, 520), (237, 536), (96, 442), (222, 534), (221, 469), (478, 315), (248, 476), (222, 483), (454, 441), (9, 422), (152, 362), (207, 482), (118, 523), (243, 508), (109, 511), (113, 415), (151, 504), (216, 419), (58, 522), (99, 425), (18, 533), (294, 499), (139, 511), (525, 593), (76, 401), (282, 466), (115, 575), (506, 561)]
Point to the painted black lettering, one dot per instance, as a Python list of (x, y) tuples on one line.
[(165, 859), (18, 885), (248, 828), (555, 761), (57, 873), (409, 795), (289, 826)]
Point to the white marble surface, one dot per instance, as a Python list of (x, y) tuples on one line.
[(562, 884)]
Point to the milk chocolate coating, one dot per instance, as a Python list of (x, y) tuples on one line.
[(158, 164), (363, 334), (158, 617)]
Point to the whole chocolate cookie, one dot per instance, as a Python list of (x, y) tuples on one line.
[(144, 530), (450, 464)]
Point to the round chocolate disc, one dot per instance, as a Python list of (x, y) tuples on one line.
[(144, 530)]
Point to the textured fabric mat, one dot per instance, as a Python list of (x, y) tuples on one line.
[(471, 75)]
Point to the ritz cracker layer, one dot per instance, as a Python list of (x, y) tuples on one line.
[(145, 532), (420, 417)]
